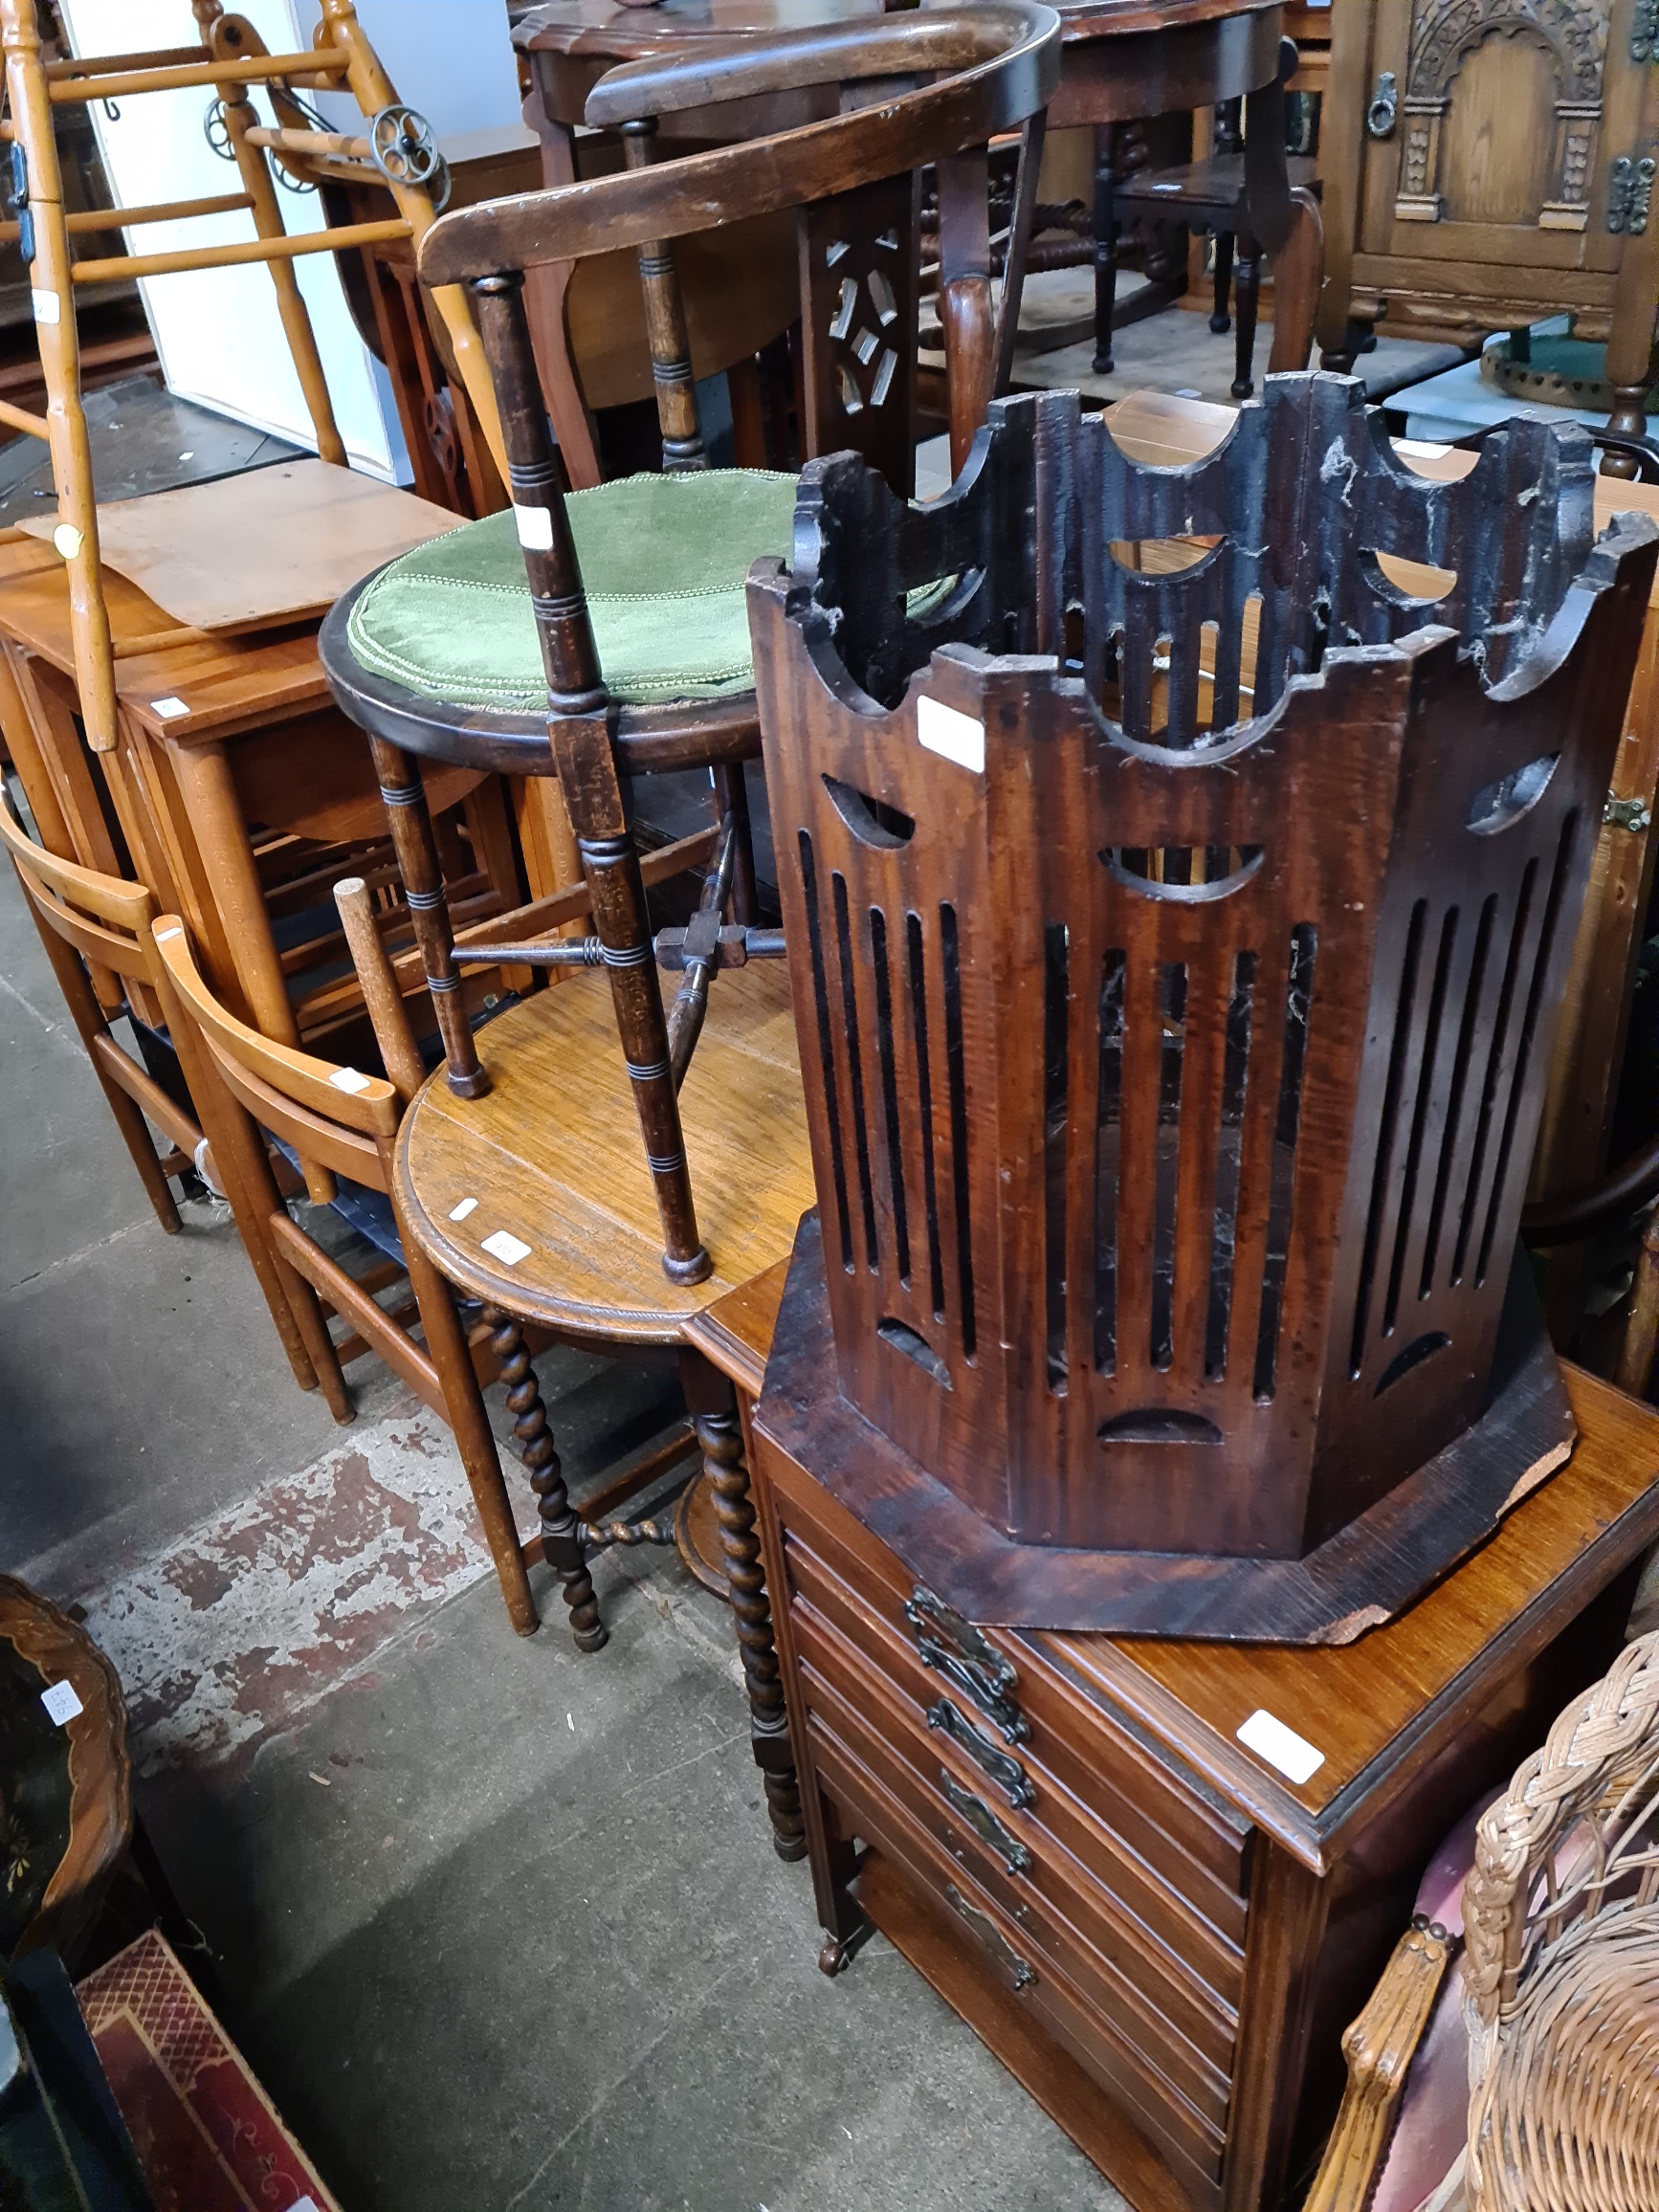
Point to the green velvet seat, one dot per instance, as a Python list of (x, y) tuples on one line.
[(663, 560)]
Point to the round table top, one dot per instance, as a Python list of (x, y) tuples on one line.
[(536, 1197), (631, 33)]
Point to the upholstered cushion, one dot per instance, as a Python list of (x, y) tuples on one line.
[(663, 560)]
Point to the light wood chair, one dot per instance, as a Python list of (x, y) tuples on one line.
[(347, 1121), (98, 921), (397, 147)]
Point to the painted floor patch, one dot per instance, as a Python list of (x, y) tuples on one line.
[(240, 1627)]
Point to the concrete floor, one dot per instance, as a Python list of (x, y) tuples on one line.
[(501, 1928)]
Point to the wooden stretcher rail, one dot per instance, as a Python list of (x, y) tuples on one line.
[(326, 62), (19, 418), (310, 142), (115, 64), (132, 265), (97, 219)]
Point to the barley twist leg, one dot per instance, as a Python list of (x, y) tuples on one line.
[(721, 1438), (561, 1531)]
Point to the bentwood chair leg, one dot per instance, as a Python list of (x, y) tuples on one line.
[(714, 1409), (560, 1530), (422, 883)]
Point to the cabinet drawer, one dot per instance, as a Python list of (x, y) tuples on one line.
[(882, 1817), (1149, 2001), (1189, 1979), (1187, 1845)]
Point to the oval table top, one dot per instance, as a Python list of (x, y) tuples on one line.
[(552, 1161)]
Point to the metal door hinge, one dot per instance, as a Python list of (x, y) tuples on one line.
[(1627, 813), (1644, 29), (1629, 190)]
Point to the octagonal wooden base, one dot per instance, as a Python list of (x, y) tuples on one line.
[(1362, 1576)]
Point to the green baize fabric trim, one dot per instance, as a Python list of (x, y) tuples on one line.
[(663, 560)]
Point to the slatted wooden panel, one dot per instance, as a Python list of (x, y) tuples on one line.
[(1173, 1085)]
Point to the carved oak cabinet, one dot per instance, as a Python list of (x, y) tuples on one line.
[(1486, 162)]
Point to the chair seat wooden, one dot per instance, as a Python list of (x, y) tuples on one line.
[(555, 1163)]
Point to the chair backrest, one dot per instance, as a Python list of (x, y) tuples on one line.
[(992, 69), (396, 148), (107, 921), (336, 1116), (1562, 1970)]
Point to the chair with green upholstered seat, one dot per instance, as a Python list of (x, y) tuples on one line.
[(628, 598)]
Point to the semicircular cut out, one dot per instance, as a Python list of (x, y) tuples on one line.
[(1499, 805), (1158, 1425), (1421, 1348), (872, 821), (1132, 866), (915, 1346)]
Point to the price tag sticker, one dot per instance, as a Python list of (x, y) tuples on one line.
[(508, 1249), (535, 526), (1280, 1746), (61, 1702)]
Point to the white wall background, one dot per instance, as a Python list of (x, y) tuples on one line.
[(217, 331)]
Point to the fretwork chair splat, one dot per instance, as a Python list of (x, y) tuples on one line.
[(1173, 1054)]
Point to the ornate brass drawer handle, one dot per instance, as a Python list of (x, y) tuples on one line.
[(1002, 1768), (955, 1648), (1017, 1971), (985, 1825)]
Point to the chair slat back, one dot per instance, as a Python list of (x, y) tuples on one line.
[(303, 1087), (232, 60), (128, 908)]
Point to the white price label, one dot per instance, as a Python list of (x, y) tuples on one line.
[(1280, 1746), (61, 1702)]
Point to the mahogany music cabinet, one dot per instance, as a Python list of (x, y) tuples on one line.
[(1159, 1930)]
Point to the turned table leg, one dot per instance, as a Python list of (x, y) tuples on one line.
[(1105, 243), (714, 1409), (561, 1531)]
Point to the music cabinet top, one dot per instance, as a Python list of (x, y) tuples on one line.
[(1371, 1708)]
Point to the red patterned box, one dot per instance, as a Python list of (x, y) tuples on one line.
[(207, 2136)]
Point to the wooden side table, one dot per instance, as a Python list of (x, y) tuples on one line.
[(1157, 1931)]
